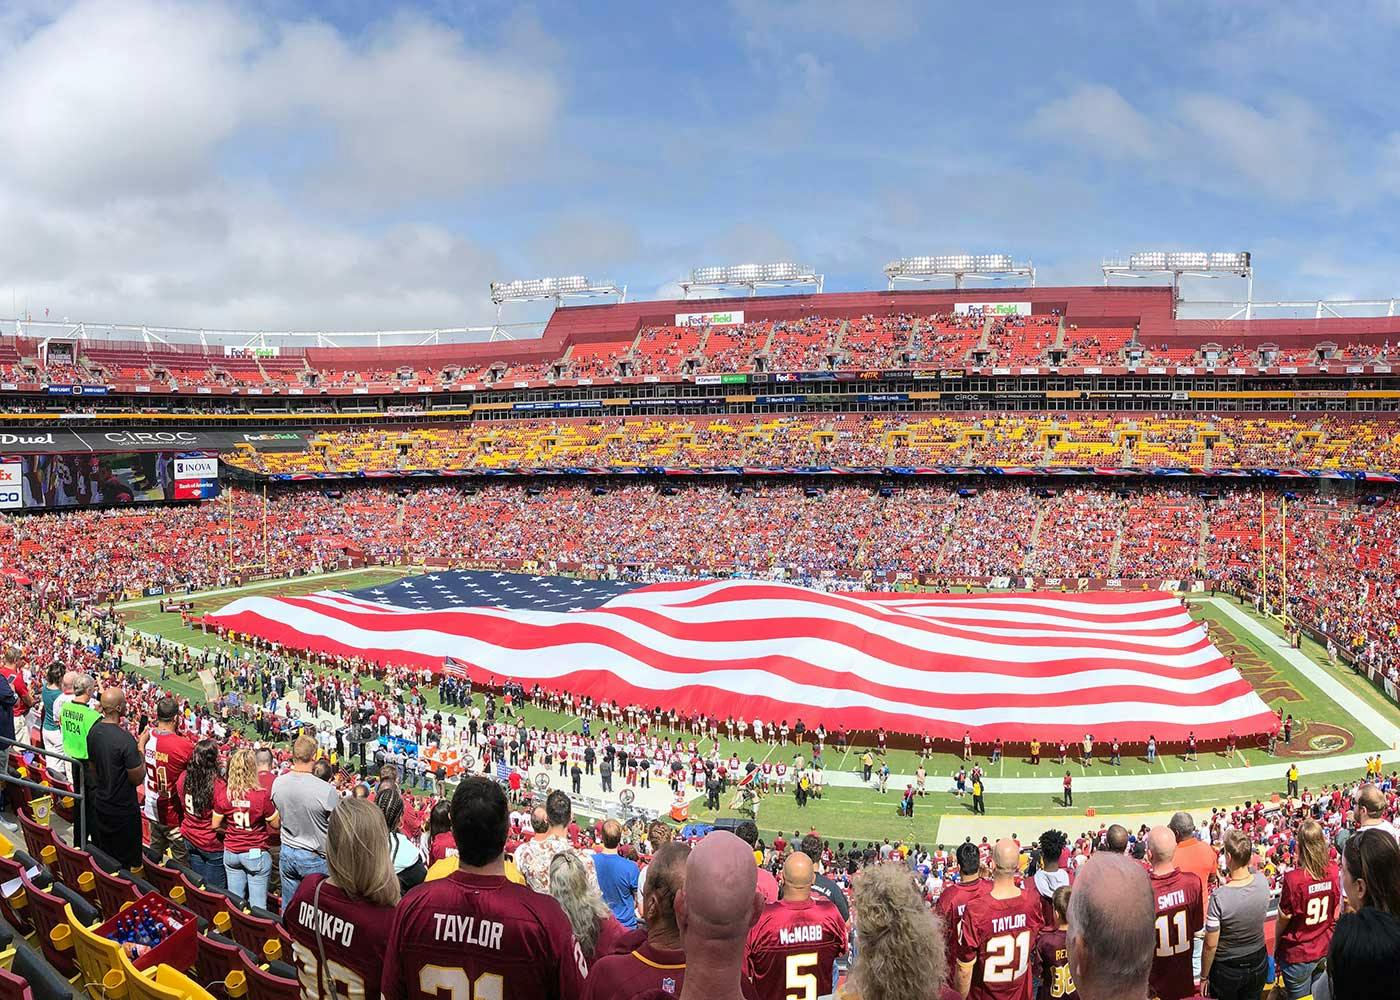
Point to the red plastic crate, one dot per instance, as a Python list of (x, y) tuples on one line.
[(178, 950)]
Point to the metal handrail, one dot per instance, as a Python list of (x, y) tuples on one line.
[(77, 794)]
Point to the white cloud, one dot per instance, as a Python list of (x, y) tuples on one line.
[(113, 99), (1098, 118), (1289, 153), (413, 113), (123, 164), (1280, 147)]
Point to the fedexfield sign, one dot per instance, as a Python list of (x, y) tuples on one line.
[(993, 308), (728, 318)]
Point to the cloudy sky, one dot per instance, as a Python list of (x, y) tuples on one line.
[(355, 165)]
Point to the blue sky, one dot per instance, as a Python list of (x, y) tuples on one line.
[(357, 165)]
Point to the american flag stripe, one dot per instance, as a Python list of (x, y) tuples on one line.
[(1051, 666)]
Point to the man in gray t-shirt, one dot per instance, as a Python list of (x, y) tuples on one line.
[(304, 802)]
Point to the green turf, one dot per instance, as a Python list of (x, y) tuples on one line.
[(860, 812), (147, 617)]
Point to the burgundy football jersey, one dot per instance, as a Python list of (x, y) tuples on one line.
[(1312, 907), (997, 936), (481, 936), (167, 756), (793, 944), (1052, 958), (350, 933), (622, 977), (950, 907), (1179, 918)]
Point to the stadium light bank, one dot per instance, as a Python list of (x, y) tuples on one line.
[(574, 286), (1185, 264), (780, 274), (959, 267)]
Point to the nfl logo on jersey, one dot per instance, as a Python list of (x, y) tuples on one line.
[(669, 985)]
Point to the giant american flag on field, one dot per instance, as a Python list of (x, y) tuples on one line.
[(1014, 665)]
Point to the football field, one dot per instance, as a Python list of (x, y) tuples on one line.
[(1329, 740)]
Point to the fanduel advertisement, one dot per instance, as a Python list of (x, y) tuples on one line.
[(24, 440)]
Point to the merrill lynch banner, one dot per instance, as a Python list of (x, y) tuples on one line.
[(28, 441)]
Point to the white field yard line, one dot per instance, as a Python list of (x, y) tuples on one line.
[(280, 581), (1384, 729)]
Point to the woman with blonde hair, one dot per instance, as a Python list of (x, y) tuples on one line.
[(243, 809), (901, 953), (1309, 901), (596, 929), (361, 891)]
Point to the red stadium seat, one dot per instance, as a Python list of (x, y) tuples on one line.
[(11, 869), (49, 913), (75, 870), (265, 984), (205, 902), (13, 987), (41, 840), (215, 957), (168, 882), (113, 892), (253, 932)]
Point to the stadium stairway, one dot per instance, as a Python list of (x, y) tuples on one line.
[(1035, 529)]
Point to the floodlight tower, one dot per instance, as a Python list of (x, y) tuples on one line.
[(1186, 264), (959, 267), (559, 289), (780, 274)]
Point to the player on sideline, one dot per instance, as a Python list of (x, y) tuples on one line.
[(1179, 918), (797, 939), (997, 933), (475, 933)]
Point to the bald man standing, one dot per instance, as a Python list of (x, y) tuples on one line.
[(996, 934), (117, 769), (1176, 897), (715, 908), (1110, 936), (795, 944)]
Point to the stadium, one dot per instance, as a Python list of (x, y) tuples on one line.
[(875, 620)]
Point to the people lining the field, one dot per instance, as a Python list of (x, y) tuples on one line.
[(1274, 837), (772, 530)]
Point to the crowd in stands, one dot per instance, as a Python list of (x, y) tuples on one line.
[(61, 569), (609, 902), (812, 343), (1133, 440), (1341, 565)]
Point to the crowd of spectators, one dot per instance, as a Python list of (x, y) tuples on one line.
[(62, 565), (810, 343), (869, 439), (1341, 565)]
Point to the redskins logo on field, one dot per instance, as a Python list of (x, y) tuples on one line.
[(1316, 739)]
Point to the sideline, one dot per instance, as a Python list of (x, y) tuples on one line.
[(1383, 729), (280, 581)]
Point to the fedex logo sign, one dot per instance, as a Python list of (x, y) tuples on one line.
[(11, 495)]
